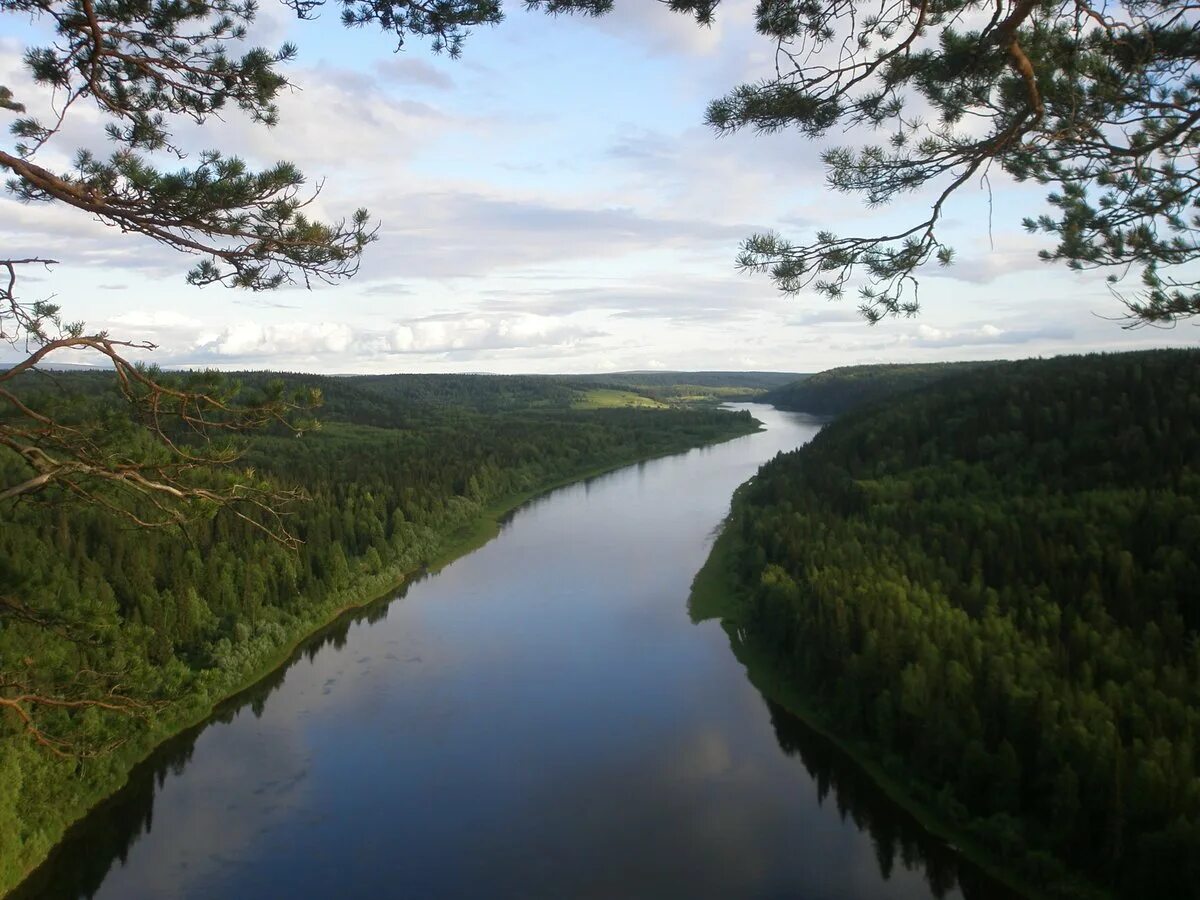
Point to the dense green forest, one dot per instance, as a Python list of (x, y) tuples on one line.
[(836, 391), (659, 379), (992, 586), (391, 401), (405, 473)]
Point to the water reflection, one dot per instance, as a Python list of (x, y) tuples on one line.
[(82, 861), (896, 836)]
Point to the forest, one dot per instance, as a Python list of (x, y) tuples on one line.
[(839, 390), (990, 587), (405, 473), (684, 388)]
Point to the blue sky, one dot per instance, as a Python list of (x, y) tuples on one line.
[(551, 202)]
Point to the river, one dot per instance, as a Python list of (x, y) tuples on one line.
[(539, 719)]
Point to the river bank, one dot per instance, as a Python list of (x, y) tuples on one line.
[(458, 537), (717, 595)]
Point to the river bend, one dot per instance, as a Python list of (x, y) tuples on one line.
[(539, 719)]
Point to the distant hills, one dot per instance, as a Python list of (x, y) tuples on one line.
[(58, 367), (657, 378), (836, 391), (398, 400)]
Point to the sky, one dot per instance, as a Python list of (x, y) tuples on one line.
[(550, 202)]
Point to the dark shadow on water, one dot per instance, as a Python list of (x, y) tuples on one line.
[(80, 863), (895, 834)]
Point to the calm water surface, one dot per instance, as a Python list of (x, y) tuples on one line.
[(540, 719)]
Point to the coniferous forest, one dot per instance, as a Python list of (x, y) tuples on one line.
[(840, 390), (405, 473), (991, 586)]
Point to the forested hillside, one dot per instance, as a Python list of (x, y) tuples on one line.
[(993, 585), (405, 473), (686, 388), (661, 379), (839, 390), (391, 401)]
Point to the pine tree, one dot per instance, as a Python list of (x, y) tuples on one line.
[(1099, 102)]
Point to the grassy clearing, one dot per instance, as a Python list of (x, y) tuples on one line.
[(688, 394), (609, 398)]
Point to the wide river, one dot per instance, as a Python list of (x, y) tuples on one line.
[(539, 719)]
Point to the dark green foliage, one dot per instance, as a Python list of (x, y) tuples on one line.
[(178, 619), (157, 448), (389, 400), (993, 583), (143, 66), (839, 390), (445, 22)]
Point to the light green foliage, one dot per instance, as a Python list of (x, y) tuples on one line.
[(686, 388), (608, 398), (666, 380)]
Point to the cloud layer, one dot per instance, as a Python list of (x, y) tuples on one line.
[(551, 202)]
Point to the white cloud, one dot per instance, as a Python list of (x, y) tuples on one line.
[(322, 345), (335, 122), (539, 217), (156, 319), (461, 234), (661, 31), (986, 334), (474, 333), (246, 340)]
